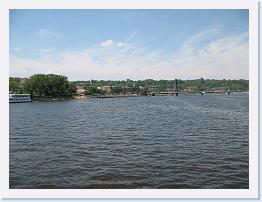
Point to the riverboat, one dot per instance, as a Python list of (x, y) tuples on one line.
[(16, 98)]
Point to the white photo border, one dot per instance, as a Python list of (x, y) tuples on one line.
[(252, 192)]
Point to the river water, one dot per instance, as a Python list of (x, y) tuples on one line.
[(171, 142)]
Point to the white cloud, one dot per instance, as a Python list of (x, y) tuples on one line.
[(108, 42), (50, 34), (225, 57), (111, 43), (121, 44)]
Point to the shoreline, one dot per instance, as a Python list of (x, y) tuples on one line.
[(43, 99), (46, 99)]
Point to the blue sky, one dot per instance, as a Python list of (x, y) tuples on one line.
[(135, 44)]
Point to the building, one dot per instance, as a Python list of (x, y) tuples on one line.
[(188, 90), (80, 90), (106, 88), (219, 90), (22, 80)]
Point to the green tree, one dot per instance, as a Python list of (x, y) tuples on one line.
[(117, 89), (49, 85), (93, 90), (13, 86)]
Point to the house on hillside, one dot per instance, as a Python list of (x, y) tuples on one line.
[(22, 80), (106, 88), (80, 90), (188, 89)]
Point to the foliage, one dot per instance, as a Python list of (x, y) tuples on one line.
[(137, 86), (92, 90), (49, 85), (13, 85), (52, 85)]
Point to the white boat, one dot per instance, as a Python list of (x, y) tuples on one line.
[(14, 98)]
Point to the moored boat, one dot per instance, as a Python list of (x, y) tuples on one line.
[(16, 98)]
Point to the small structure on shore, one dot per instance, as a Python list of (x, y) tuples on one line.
[(176, 88), (80, 90), (106, 88)]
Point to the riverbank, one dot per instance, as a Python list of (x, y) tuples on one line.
[(115, 96), (121, 96), (81, 97), (46, 99)]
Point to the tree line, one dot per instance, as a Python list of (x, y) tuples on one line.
[(143, 86), (51, 85), (43, 85)]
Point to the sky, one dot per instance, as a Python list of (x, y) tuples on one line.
[(130, 44)]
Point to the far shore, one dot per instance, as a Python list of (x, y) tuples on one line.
[(78, 97)]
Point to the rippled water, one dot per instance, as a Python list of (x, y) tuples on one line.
[(137, 142)]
